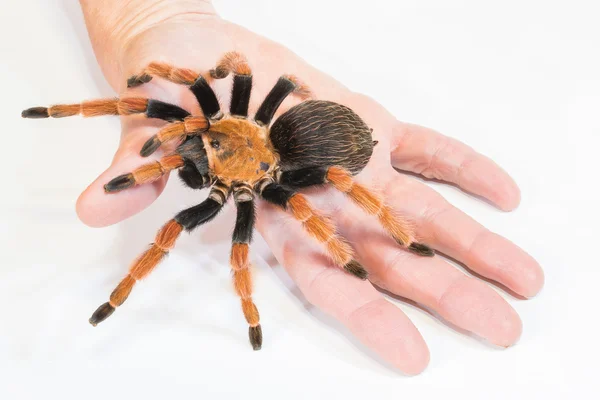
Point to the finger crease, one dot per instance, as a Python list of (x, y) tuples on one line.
[(476, 238), (404, 136), (458, 281), (431, 213), (395, 265), (361, 308), (465, 163), (311, 288), (430, 169)]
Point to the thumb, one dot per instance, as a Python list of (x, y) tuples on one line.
[(97, 208)]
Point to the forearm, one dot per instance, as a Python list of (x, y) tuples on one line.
[(112, 24)]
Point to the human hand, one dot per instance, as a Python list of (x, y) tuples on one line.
[(175, 35)]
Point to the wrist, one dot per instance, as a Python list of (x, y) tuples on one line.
[(113, 24)]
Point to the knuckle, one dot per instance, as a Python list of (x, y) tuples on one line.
[(451, 292), (358, 314), (434, 208), (435, 164)]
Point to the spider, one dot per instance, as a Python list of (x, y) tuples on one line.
[(315, 142)]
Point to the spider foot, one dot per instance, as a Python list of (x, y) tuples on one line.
[(103, 312), (421, 249), (255, 334), (354, 268), (137, 80), (119, 183), (35, 112)]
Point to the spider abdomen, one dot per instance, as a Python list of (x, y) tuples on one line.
[(319, 133)]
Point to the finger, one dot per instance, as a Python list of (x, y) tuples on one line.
[(461, 300), (374, 321), (433, 155), (97, 208), (452, 232)]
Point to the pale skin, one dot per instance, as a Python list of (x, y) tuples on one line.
[(127, 35)]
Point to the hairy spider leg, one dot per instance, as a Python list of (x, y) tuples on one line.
[(242, 81), (240, 264), (146, 173), (189, 157), (166, 237), (342, 180), (319, 227), (182, 123), (176, 131), (126, 106), (197, 84), (285, 85), (195, 171), (191, 177)]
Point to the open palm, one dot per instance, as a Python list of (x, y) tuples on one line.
[(466, 302)]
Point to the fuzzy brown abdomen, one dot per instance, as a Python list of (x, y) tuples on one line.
[(321, 133)]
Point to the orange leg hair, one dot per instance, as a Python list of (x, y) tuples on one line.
[(236, 63), (126, 106), (323, 230), (240, 265), (188, 219), (192, 125), (231, 62), (195, 81), (181, 76), (147, 173), (242, 282), (398, 228), (144, 265), (316, 225), (301, 90), (92, 108)]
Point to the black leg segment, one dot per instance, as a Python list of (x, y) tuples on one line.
[(195, 216), (317, 227), (240, 95), (168, 112), (244, 222), (267, 109), (192, 150), (240, 263), (206, 97), (191, 177), (304, 177), (276, 194)]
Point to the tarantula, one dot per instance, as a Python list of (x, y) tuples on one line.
[(314, 143)]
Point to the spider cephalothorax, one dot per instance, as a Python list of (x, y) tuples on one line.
[(316, 142), (238, 150)]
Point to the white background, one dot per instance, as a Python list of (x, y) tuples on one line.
[(517, 80)]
